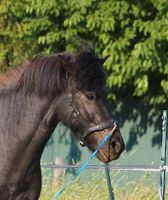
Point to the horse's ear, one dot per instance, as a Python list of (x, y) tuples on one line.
[(65, 56), (66, 60), (103, 60)]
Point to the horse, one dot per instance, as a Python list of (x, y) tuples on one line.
[(34, 98)]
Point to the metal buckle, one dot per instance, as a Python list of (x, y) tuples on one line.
[(82, 143)]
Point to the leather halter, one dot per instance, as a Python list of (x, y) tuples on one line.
[(74, 113)]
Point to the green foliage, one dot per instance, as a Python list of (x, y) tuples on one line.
[(133, 33), (11, 32)]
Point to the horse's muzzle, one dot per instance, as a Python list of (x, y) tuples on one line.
[(117, 145), (113, 147)]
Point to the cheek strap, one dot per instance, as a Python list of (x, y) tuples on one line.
[(75, 114)]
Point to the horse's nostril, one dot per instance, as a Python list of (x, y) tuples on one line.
[(116, 146)]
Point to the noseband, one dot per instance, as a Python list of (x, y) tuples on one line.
[(74, 113)]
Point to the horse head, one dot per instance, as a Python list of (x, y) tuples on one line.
[(85, 109)]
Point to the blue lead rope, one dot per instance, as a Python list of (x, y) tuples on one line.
[(84, 166)]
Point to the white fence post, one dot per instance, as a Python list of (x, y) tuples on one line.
[(57, 172)]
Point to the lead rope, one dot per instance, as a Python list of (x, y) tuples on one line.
[(84, 166)]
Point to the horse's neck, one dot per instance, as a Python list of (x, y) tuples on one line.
[(26, 123)]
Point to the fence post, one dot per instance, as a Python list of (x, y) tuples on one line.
[(57, 172), (110, 189), (163, 156)]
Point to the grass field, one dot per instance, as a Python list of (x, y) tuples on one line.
[(94, 187)]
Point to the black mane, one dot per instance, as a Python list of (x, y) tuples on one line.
[(46, 75)]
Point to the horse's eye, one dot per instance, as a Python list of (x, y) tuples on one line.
[(91, 96)]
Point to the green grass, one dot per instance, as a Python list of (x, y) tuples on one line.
[(94, 187)]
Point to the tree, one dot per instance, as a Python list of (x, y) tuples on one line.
[(133, 33)]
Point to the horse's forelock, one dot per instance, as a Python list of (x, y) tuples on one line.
[(88, 70)]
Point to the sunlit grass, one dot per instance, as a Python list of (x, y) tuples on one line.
[(94, 187)]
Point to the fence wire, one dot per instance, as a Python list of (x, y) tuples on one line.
[(141, 168)]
